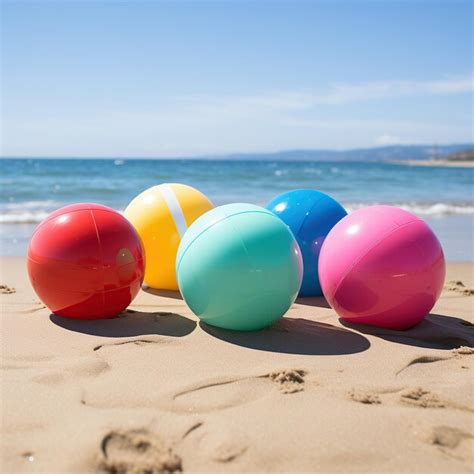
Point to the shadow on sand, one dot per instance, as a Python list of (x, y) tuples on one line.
[(435, 331), (317, 301), (130, 323), (295, 336), (176, 295)]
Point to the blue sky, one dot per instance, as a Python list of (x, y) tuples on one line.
[(193, 78)]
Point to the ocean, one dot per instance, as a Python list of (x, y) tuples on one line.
[(32, 188)]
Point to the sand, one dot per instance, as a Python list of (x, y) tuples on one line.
[(153, 391), (442, 163)]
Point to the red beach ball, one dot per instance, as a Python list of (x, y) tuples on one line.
[(86, 261)]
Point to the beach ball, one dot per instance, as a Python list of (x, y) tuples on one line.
[(85, 261), (239, 267), (161, 215), (382, 266), (310, 215)]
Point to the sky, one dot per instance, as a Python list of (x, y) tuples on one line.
[(176, 79)]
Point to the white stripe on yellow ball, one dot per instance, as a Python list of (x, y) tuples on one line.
[(174, 207)]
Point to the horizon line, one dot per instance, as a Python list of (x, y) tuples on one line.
[(237, 153)]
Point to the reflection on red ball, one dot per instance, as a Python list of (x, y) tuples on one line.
[(85, 261)]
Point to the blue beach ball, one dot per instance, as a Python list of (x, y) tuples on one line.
[(310, 215)]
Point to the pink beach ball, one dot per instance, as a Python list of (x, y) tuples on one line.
[(382, 266)]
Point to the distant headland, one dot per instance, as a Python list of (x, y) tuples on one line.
[(390, 153), (461, 154)]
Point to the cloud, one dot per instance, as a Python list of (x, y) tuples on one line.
[(345, 93), (199, 124), (337, 94)]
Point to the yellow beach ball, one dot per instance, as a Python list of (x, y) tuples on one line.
[(161, 215)]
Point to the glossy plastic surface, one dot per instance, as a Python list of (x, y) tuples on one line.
[(85, 261), (382, 266), (239, 267), (156, 217), (310, 215)]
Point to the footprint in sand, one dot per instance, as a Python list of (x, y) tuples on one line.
[(453, 441), (136, 451), (6, 290), (221, 394), (366, 397), (458, 287), (218, 395), (290, 380), (413, 396), (438, 373), (421, 398), (135, 342)]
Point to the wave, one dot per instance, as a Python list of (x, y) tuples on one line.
[(48, 204), (438, 209), (33, 212), (23, 217), (316, 171), (26, 212)]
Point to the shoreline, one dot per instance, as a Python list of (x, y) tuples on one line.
[(453, 230), (435, 163)]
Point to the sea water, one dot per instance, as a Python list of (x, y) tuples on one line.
[(32, 188)]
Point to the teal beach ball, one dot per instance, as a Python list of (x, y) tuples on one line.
[(239, 267)]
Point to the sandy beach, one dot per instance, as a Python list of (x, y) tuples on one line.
[(154, 391)]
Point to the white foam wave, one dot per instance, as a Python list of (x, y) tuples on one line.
[(49, 204), (23, 217), (18, 214), (28, 212), (438, 209)]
